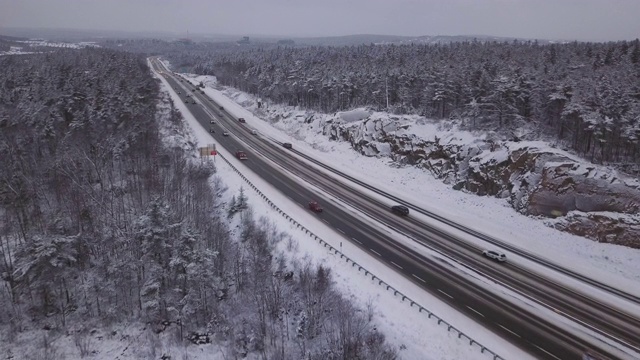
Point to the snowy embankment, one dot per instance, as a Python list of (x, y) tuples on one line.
[(492, 209), (490, 215), (418, 336), (608, 263)]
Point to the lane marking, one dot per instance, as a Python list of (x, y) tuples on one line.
[(451, 297), (547, 352), (419, 278), (340, 230), (375, 252), (475, 311), (356, 240), (509, 330), (400, 267), (325, 221)]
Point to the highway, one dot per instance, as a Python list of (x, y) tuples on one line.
[(519, 324)]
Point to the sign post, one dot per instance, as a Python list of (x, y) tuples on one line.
[(209, 150), (213, 151)]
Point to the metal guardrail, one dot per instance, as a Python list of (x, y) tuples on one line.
[(388, 287)]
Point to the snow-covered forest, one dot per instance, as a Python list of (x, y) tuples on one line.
[(102, 223), (584, 96)]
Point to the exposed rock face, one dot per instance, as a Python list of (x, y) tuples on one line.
[(569, 186), (603, 227), (536, 179)]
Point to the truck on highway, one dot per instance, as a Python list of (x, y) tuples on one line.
[(241, 155)]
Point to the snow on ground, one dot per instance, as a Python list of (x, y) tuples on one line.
[(611, 264), (15, 50), (130, 342), (354, 115), (419, 336), (42, 42), (19, 50)]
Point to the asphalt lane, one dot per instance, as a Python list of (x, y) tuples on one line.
[(536, 336)]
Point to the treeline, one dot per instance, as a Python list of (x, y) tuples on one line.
[(585, 95), (100, 223), (92, 206)]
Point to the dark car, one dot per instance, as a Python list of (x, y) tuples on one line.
[(287, 145), (400, 210), (314, 206), (221, 107)]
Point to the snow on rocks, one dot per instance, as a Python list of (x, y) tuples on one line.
[(535, 178)]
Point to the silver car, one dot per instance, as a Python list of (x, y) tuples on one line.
[(494, 255)]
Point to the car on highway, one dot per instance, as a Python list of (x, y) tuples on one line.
[(287, 145), (314, 206), (241, 155), (254, 132), (221, 107), (495, 255), (211, 130), (212, 121), (242, 120), (400, 210), (226, 133)]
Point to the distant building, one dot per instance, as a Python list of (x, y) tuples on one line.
[(286, 42), (244, 40), (186, 41)]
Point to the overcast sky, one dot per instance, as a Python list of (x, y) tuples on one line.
[(542, 19)]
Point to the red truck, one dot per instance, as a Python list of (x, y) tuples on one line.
[(241, 155)]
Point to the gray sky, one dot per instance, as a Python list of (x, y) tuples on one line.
[(543, 19)]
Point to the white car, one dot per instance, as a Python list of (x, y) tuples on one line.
[(226, 133), (494, 255)]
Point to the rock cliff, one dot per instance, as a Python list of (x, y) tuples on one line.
[(538, 180), (584, 199)]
